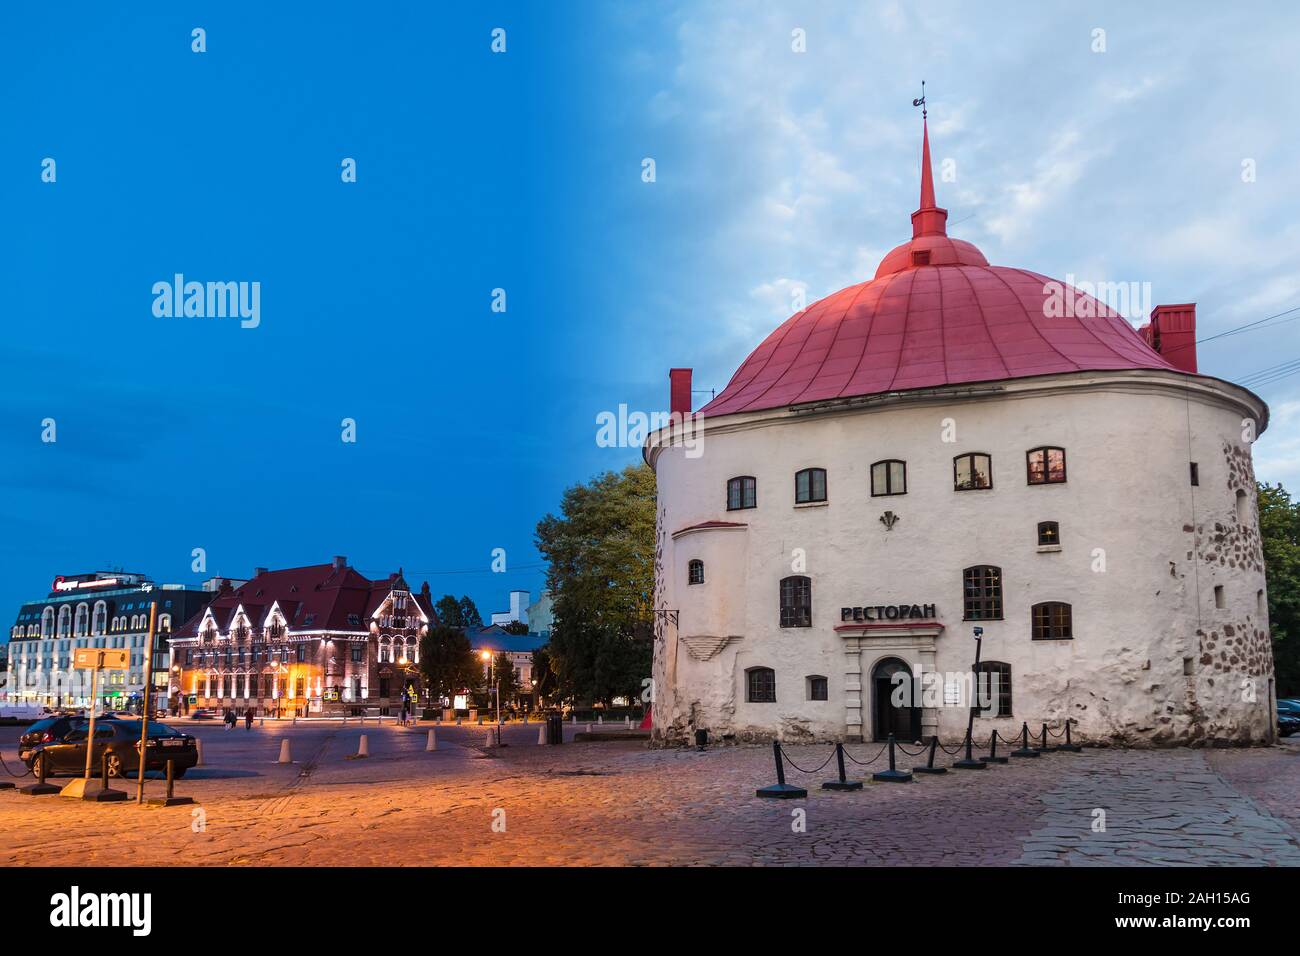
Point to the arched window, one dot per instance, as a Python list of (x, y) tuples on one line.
[(972, 471), (1243, 507), (796, 601), (165, 624), (1050, 621), (809, 486), (695, 571), (888, 477), (81, 625), (760, 685), (1049, 534), (65, 620), (99, 620), (994, 689), (1045, 465), (742, 493), (982, 593), (47, 622), (817, 687)]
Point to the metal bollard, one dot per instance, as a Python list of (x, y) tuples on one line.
[(780, 790), (893, 774), (1069, 746), (842, 783), (170, 800), (1025, 750), (40, 788), (929, 764), (993, 750), (1043, 747)]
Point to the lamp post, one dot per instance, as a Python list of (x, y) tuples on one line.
[(970, 762)]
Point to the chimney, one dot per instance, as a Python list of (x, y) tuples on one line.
[(257, 571), (340, 562), (1172, 333), (679, 398)]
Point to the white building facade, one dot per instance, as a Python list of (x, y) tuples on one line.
[(936, 451)]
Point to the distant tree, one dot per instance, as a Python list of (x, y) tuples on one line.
[(503, 677), (544, 683), (458, 612), (515, 627), (600, 552), (447, 663), (1279, 528)]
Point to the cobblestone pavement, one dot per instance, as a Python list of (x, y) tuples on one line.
[(620, 803)]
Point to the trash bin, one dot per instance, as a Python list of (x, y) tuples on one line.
[(554, 729)]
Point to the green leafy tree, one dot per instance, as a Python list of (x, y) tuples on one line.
[(544, 683), (1279, 527), (600, 551), (469, 614), (515, 627), (458, 612), (447, 663)]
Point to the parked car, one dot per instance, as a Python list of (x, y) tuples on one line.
[(1288, 717), (121, 739), (49, 730)]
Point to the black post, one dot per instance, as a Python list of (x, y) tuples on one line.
[(780, 790), (929, 764), (171, 800), (993, 750), (171, 779), (1024, 750), (893, 774), (1043, 748), (843, 783), (103, 768), (40, 788), (1069, 746), (970, 762)]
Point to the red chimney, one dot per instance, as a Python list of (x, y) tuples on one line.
[(679, 398), (1172, 333)]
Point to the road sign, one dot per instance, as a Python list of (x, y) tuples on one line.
[(94, 658)]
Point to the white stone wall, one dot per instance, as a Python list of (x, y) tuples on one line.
[(1138, 625)]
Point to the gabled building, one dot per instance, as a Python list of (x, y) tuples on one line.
[(300, 641)]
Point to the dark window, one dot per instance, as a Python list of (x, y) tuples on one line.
[(889, 478), (300, 687), (982, 593), (358, 653), (972, 471), (1046, 466), (1049, 532), (742, 493), (920, 257), (356, 688), (189, 657), (995, 687), (1051, 621), (1196, 473), (817, 688), (695, 571), (810, 485), (761, 685), (354, 619), (796, 602), (300, 654)]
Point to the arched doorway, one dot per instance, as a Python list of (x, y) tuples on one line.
[(903, 722)]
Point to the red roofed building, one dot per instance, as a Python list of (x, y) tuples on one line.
[(951, 446), (301, 641)]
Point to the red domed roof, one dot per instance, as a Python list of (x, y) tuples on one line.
[(935, 314)]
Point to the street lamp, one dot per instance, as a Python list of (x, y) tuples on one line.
[(970, 762), (487, 657)]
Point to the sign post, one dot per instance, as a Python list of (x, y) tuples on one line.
[(95, 660), (144, 716)]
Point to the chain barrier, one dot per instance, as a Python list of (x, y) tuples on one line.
[(786, 755), (912, 753), (867, 763), (10, 772)]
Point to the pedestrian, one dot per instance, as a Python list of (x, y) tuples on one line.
[(230, 718), (248, 718), (404, 711)]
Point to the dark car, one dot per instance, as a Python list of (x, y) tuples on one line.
[(202, 713), (49, 730), (1288, 717), (121, 740)]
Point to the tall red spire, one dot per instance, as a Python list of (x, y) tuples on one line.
[(929, 219)]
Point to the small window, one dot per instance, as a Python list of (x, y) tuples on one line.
[(888, 477), (982, 586), (1261, 604), (1046, 466), (1196, 474), (300, 653), (1050, 621), (1189, 667), (810, 485), (695, 571), (994, 689), (358, 653), (920, 257), (818, 688), (742, 493), (1220, 600), (354, 619), (760, 685), (1243, 507), (972, 472), (1049, 534), (796, 601)]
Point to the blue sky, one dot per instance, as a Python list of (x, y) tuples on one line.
[(522, 171)]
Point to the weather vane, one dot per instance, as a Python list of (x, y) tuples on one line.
[(921, 102)]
